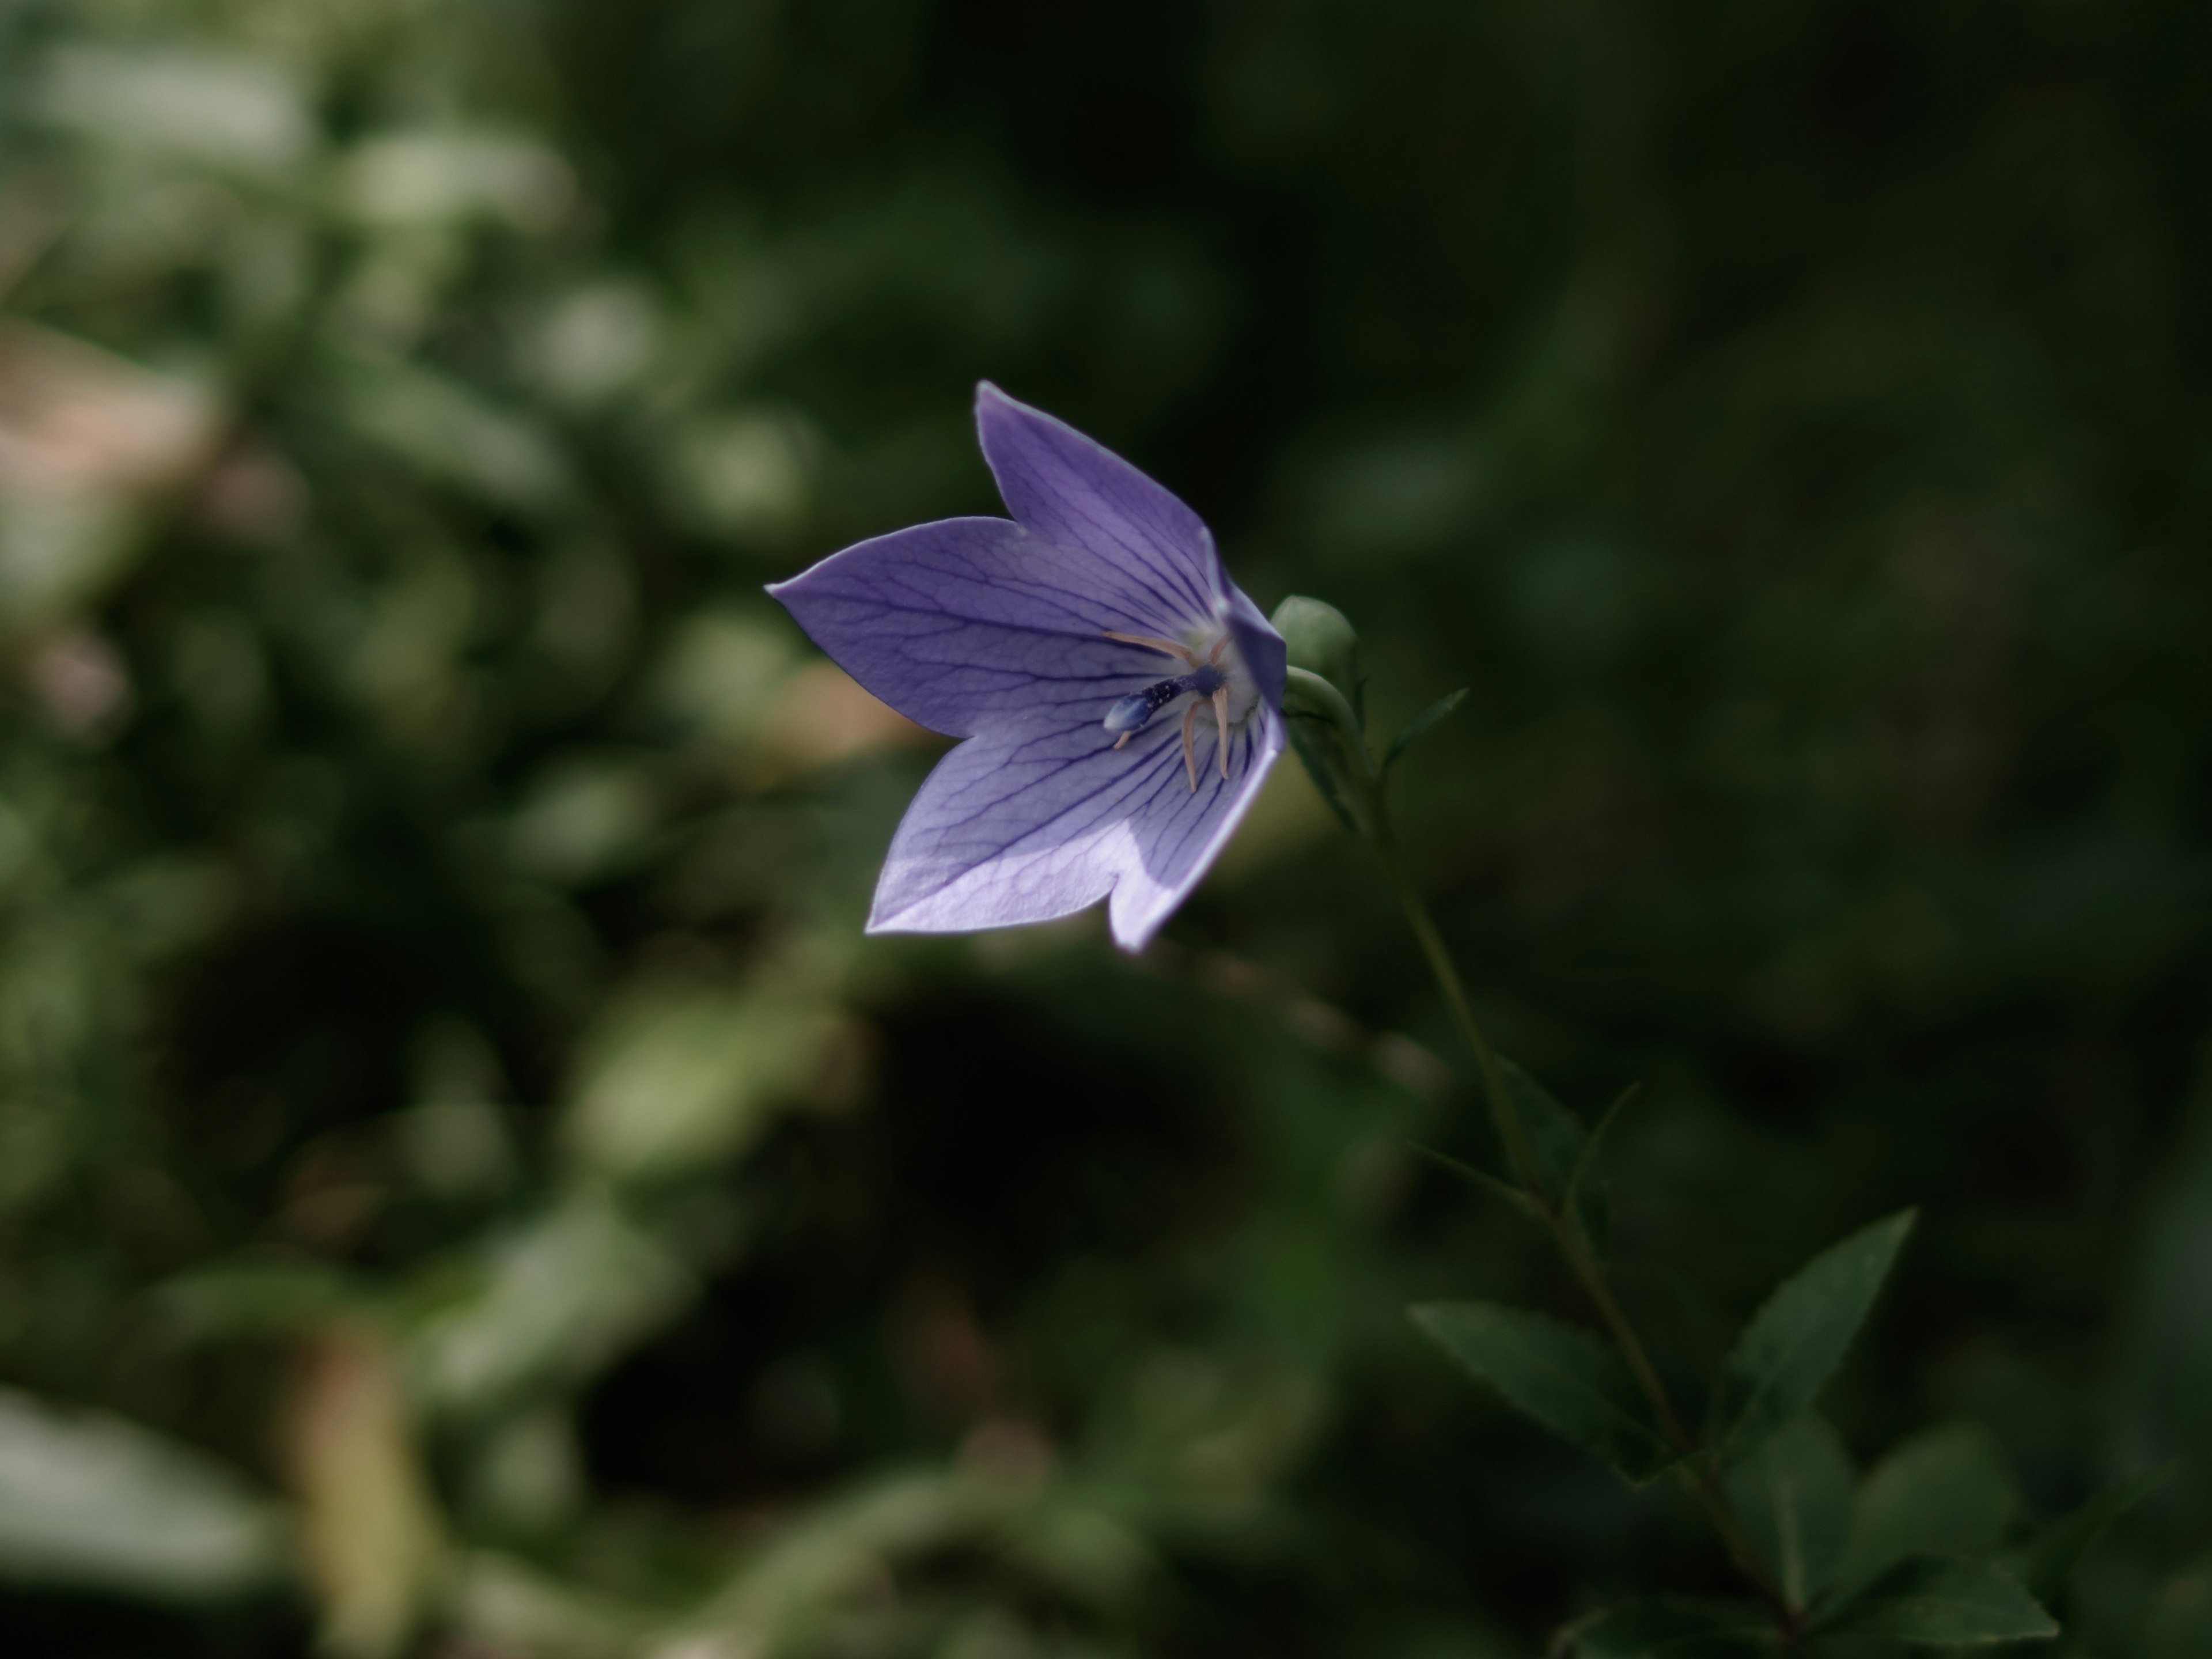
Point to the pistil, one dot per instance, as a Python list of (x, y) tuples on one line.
[(1206, 680)]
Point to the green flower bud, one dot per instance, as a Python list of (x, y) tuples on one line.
[(1327, 726), (1323, 641)]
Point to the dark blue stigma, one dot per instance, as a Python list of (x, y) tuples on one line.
[(1134, 711)]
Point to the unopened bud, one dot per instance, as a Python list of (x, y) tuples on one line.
[(1322, 641)]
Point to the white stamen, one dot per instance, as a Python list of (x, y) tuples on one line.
[(1167, 646)]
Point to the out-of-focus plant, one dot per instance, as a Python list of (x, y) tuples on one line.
[(312, 587), (464, 1184)]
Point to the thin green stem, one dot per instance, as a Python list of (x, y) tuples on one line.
[(1510, 1131), (1696, 1469)]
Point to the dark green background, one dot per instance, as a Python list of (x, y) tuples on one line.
[(1789, 420)]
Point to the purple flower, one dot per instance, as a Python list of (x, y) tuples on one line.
[(1120, 700)]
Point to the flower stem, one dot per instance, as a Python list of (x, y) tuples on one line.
[(1510, 1131), (1696, 1470)]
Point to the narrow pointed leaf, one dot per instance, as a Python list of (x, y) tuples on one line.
[(1565, 1379), (1792, 1493), (1676, 1629), (1792, 1346), (1942, 1602), (2045, 1564), (1586, 1193), (1561, 1147), (1422, 724)]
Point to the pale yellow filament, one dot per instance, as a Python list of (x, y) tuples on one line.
[(1168, 646)]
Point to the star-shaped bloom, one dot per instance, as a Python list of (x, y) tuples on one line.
[(1120, 701)]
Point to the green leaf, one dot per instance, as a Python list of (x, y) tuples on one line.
[(1792, 1346), (1586, 1196), (91, 1500), (1482, 1181), (1562, 1148), (1421, 725), (1942, 1602), (1315, 743), (1945, 1492), (1793, 1494), (1565, 1379), (667, 1082), (1678, 1629), (259, 1298), (2044, 1564)]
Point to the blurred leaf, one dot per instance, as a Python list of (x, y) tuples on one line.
[(583, 818), (89, 1500), (1792, 1493), (596, 341), (556, 1299), (672, 1079), (1678, 1629), (88, 441), (1945, 1492), (525, 1478), (839, 1547), (1421, 725), (370, 1529), (1792, 1346), (416, 177), (508, 1606), (257, 1297), (2049, 1559), (1565, 1379), (1942, 1602), (450, 431), (1565, 1162), (456, 1149), (236, 109), (722, 670), (742, 474), (1089, 1551)]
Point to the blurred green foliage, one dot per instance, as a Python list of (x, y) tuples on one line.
[(467, 1186)]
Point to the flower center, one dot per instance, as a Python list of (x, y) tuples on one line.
[(1134, 711), (1217, 677)]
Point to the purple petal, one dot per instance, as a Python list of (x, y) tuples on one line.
[(972, 621), (1072, 491), (1032, 822), (1265, 653)]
